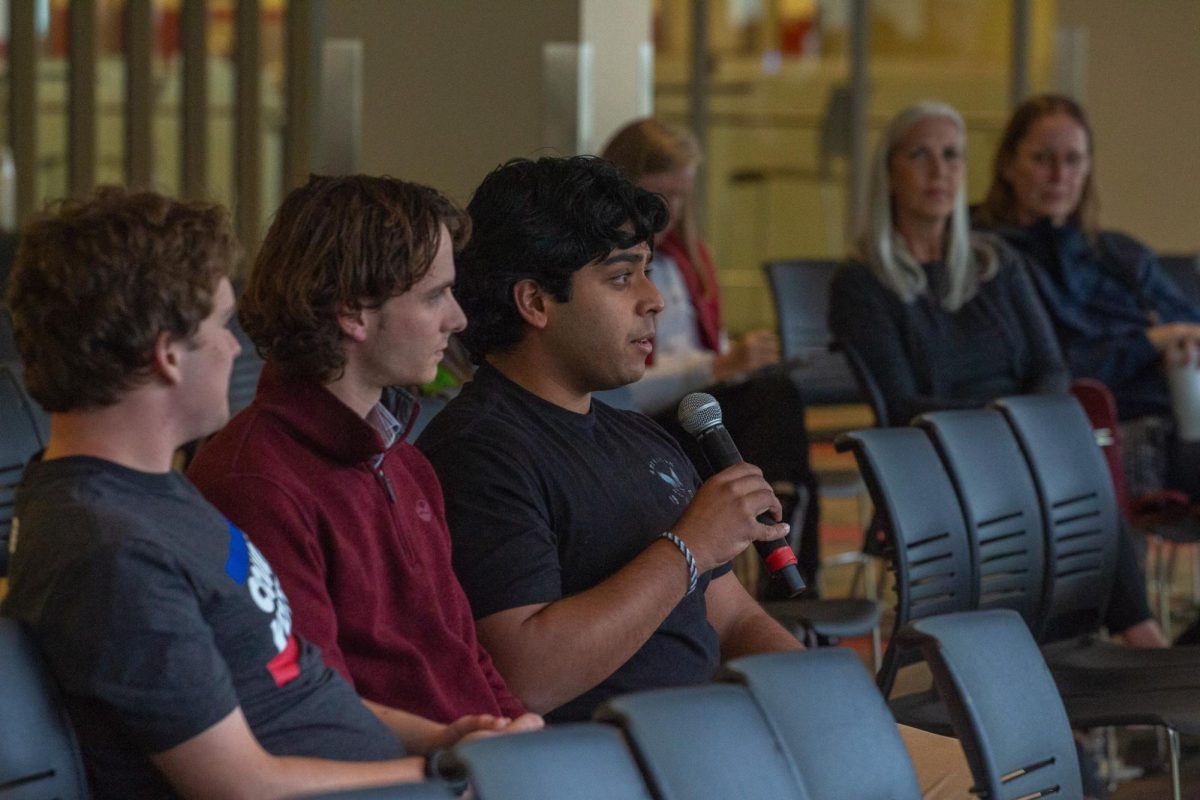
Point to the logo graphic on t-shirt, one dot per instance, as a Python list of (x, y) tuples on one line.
[(664, 470), (424, 511), (249, 567)]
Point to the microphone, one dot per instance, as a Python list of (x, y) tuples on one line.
[(700, 415)]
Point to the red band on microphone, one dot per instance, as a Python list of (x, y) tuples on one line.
[(779, 558)]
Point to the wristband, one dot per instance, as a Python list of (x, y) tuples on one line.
[(693, 575), (442, 765)]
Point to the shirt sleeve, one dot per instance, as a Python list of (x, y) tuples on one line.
[(130, 633), (287, 534), (504, 551)]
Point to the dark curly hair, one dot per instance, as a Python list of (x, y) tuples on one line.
[(543, 220), (96, 281), (339, 242)]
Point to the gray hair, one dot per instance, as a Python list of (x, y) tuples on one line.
[(970, 259)]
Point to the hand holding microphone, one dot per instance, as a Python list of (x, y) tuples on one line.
[(700, 415)]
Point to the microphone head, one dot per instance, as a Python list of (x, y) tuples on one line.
[(698, 412)]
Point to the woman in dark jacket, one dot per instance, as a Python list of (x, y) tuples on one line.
[(942, 317)]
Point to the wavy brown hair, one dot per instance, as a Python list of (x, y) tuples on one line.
[(999, 207), (97, 279), (337, 243)]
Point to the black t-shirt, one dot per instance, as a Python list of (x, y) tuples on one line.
[(158, 618), (544, 503)]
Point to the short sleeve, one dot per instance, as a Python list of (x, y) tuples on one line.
[(505, 553), (129, 634)]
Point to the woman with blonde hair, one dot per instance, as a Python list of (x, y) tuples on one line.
[(762, 408), (942, 317)]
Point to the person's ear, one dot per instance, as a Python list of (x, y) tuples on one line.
[(353, 323), (532, 302), (164, 358)]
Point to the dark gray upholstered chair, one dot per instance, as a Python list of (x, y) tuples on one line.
[(927, 540), (1000, 504), (243, 381), (581, 761), (821, 705), (705, 743), (23, 431), (1101, 683), (800, 291), (1003, 703), (39, 756)]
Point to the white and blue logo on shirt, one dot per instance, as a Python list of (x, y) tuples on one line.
[(664, 470), (247, 566)]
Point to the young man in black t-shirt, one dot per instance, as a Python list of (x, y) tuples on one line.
[(594, 559), (165, 628)]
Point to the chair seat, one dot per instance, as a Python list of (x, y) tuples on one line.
[(1086, 666), (837, 618), (1178, 710), (923, 710)]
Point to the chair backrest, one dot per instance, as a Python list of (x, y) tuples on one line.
[(1078, 506), (1000, 503), (800, 291), (23, 431), (39, 756), (822, 705), (1003, 704), (243, 381), (582, 761), (1184, 271), (704, 743), (927, 539)]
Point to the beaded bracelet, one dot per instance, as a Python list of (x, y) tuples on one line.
[(693, 575)]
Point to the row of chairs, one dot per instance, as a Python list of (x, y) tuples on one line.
[(782, 725), (1013, 508)]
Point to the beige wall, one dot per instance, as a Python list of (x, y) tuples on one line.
[(1142, 90), (451, 88)]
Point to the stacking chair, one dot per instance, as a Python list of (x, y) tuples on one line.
[(1101, 683), (39, 756), (927, 540), (23, 431), (705, 743), (1000, 504), (581, 761), (1165, 516), (243, 381), (1184, 271), (822, 705), (800, 291), (1003, 703)]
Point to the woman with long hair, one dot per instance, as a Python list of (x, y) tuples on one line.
[(941, 317), (763, 409)]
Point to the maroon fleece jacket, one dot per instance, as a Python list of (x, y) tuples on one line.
[(362, 551)]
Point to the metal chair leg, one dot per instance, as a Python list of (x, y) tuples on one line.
[(1173, 741)]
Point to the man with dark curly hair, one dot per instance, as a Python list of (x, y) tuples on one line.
[(351, 297), (165, 628), (595, 560)]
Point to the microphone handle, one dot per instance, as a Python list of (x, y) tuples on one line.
[(776, 554)]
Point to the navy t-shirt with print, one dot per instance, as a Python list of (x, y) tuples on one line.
[(544, 503), (158, 618)]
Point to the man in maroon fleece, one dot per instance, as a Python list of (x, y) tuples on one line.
[(350, 296)]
